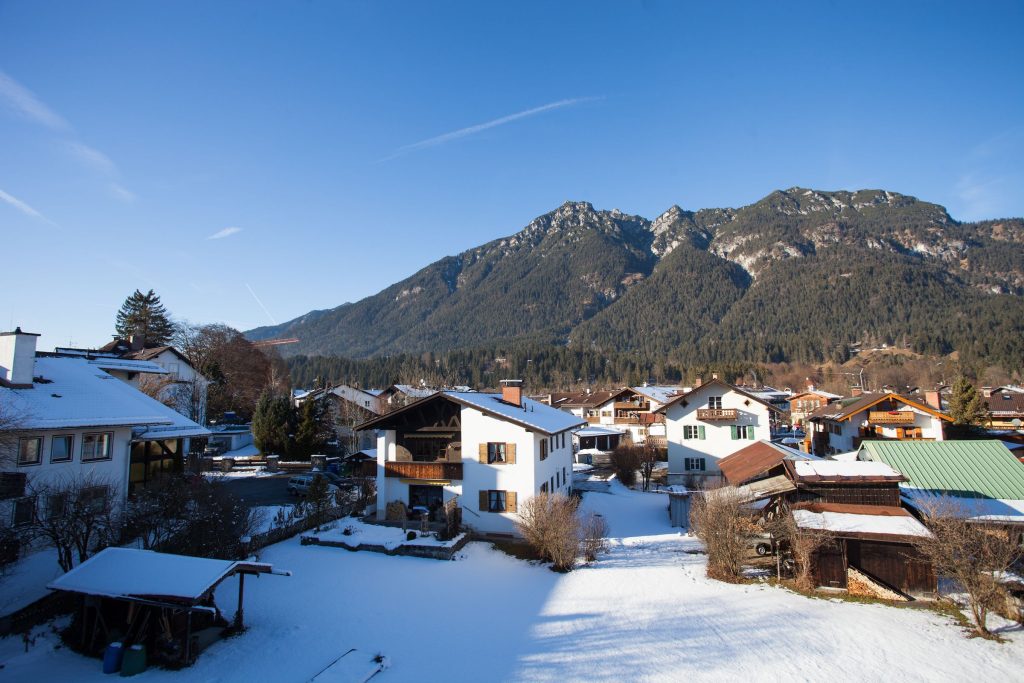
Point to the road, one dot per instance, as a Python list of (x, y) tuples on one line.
[(257, 491)]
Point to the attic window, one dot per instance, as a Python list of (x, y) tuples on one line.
[(747, 402)]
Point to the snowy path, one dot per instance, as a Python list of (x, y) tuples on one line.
[(645, 611)]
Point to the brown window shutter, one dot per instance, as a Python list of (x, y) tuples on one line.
[(483, 499), (510, 453), (510, 501), (482, 452)]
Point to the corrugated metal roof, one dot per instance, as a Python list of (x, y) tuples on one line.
[(970, 469)]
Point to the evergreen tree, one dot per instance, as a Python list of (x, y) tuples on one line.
[(311, 433), (144, 314), (966, 405), (270, 423)]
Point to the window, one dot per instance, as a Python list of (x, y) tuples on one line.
[(56, 503), (715, 402), (564, 478), (61, 448), (693, 431), (24, 511), (558, 479), (694, 464), (29, 450), (742, 432), (544, 487), (543, 449), (97, 446), (552, 482), (94, 498), (496, 501), (496, 452)]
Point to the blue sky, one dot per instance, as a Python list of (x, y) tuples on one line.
[(333, 148)]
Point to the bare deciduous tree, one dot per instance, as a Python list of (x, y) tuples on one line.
[(973, 555), (720, 518), (76, 516), (803, 543), (626, 461), (593, 536), (550, 524)]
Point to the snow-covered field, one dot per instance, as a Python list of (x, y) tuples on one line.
[(644, 611)]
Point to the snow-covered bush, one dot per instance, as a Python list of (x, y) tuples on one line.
[(550, 524)]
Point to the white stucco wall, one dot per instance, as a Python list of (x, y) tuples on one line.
[(718, 442)]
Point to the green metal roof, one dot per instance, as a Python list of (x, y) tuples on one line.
[(975, 469)]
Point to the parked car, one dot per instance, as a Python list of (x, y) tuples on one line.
[(300, 483), (762, 544)]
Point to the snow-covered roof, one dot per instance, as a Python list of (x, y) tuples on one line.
[(598, 430), (859, 519), (128, 365), (134, 573), (532, 414), (415, 392), (977, 509), (183, 429), (71, 393), (661, 394), (831, 469)]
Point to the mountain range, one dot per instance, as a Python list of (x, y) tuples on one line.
[(799, 275)]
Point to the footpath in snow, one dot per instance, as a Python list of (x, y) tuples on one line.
[(644, 611)]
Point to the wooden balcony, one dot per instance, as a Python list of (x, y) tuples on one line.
[(423, 470), (713, 414), (891, 417), (629, 405)]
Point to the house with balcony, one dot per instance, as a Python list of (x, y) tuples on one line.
[(711, 422), (487, 451), (841, 426), (71, 419), (801, 405)]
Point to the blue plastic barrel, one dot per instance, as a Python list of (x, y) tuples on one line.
[(112, 657)]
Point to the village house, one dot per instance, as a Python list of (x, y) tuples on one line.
[(488, 452), (709, 423), (840, 426), (71, 419), (398, 395), (1005, 407), (801, 405), (347, 408)]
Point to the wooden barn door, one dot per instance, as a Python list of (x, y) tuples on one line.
[(830, 565)]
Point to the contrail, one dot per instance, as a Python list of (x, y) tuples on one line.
[(260, 303)]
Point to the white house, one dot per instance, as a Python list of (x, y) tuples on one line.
[(711, 422), (488, 451), (839, 427), (70, 418)]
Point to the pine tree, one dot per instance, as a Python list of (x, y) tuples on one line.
[(144, 314), (270, 423), (310, 434), (966, 406)]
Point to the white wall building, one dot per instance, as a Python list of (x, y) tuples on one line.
[(839, 427), (489, 451), (70, 419), (711, 422)]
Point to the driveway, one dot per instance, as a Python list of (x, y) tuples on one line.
[(259, 491)]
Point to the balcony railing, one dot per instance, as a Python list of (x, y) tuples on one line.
[(629, 405), (891, 417), (710, 414), (423, 470)]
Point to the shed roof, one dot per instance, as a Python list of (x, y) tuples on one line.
[(130, 573), (860, 521), (755, 459), (842, 472), (965, 469)]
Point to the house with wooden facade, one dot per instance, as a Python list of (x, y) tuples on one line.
[(841, 426), (803, 404), (1005, 407), (709, 423), (487, 452)]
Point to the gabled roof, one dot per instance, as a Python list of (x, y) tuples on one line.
[(593, 399), (723, 385), (532, 415), (965, 469), (409, 390), (845, 408), (754, 460), (70, 393), (1005, 403), (816, 392), (661, 394), (842, 472)]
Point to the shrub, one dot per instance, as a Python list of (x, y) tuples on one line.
[(550, 524), (719, 518), (625, 462), (593, 532)]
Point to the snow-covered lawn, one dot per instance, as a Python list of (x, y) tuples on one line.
[(361, 533), (644, 611)]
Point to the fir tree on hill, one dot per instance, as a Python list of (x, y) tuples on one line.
[(966, 406), (144, 314)]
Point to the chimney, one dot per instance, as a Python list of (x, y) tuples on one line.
[(986, 392), (17, 357), (697, 382), (512, 391), (137, 341), (810, 385), (856, 391), (714, 375), (932, 399)]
